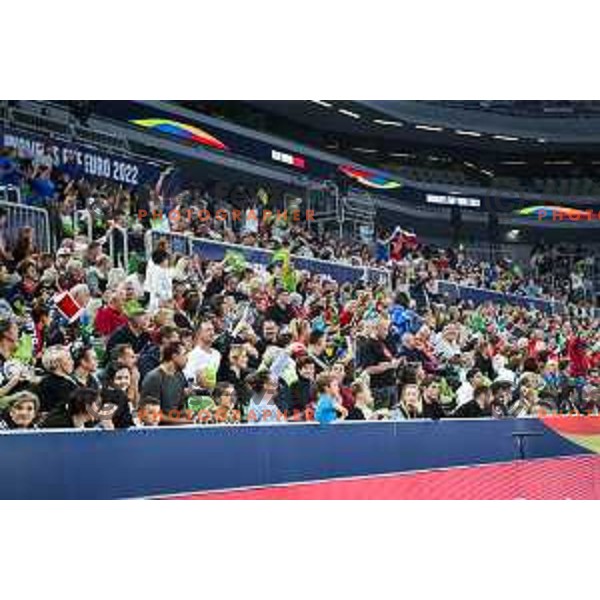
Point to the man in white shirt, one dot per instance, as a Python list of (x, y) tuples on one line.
[(464, 393), (203, 361)]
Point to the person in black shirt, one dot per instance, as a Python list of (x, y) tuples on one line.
[(379, 362), (80, 410), (270, 331), (149, 357), (133, 333), (302, 391), (432, 408), (118, 380), (281, 311), (85, 363), (57, 385), (478, 407)]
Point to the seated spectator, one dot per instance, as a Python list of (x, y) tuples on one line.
[(235, 371), (134, 332), (123, 355), (85, 367), (150, 355), (302, 391), (82, 408), (363, 406), (262, 407), (224, 398), (168, 384), (410, 405), (21, 412), (57, 385), (432, 408), (116, 384), (148, 412), (478, 407), (111, 317), (328, 399), (9, 340), (464, 394)]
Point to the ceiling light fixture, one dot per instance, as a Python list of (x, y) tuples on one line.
[(469, 133), (506, 138), (322, 103), (513, 162), (390, 123), (558, 162), (365, 150), (429, 128), (348, 113)]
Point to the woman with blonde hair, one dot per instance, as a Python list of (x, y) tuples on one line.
[(21, 412)]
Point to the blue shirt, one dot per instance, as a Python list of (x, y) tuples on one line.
[(326, 412)]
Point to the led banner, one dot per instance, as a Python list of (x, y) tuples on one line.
[(88, 161)]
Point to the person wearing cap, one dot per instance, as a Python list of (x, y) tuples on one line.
[(21, 412)]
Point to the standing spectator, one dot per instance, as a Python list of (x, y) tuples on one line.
[(158, 283), (204, 360), (379, 363)]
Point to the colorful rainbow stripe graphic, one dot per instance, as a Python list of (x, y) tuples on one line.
[(369, 178), (556, 212), (182, 130)]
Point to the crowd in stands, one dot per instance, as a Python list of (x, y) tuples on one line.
[(176, 340)]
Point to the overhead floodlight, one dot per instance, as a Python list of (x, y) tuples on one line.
[(349, 113), (469, 133), (429, 128), (390, 123), (506, 138)]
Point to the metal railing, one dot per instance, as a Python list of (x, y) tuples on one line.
[(19, 216), (477, 295), (212, 250)]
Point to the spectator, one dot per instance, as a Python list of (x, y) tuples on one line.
[(21, 412), (82, 408), (57, 385), (134, 333), (168, 384), (149, 412), (85, 367), (328, 403), (111, 317), (478, 407), (204, 360), (379, 363), (9, 340)]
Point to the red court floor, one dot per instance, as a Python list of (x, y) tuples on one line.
[(575, 477)]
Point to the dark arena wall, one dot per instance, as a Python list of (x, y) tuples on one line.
[(511, 458)]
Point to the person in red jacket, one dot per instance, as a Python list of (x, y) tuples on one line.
[(112, 316), (579, 362)]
